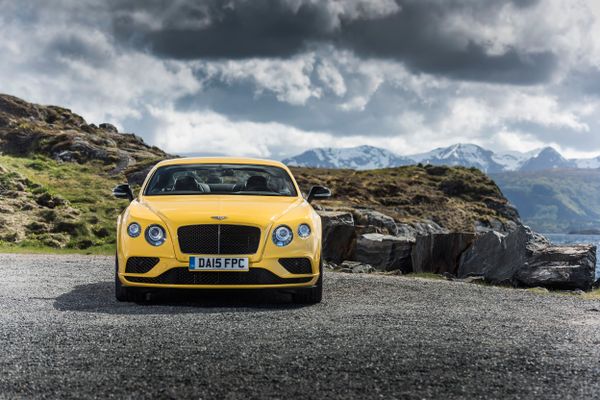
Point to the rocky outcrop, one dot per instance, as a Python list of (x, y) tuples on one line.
[(524, 258), (60, 134), (416, 229), (503, 208), (372, 219), (497, 256), (513, 255), (559, 267), (339, 236), (385, 252), (108, 127), (495, 225), (440, 253), (454, 198), (356, 267)]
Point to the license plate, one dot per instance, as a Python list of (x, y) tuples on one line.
[(218, 264)]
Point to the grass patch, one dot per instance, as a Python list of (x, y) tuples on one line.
[(592, 295), (538, 290), (86, 188), (106, 250)]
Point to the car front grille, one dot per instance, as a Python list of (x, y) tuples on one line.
[(218, 239), (296, 265), (140, 265), (183, 276)]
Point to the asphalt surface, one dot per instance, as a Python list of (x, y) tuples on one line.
[(63, 335)]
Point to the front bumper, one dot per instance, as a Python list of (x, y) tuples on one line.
[(264, 274)]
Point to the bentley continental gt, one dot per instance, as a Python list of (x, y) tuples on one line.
[(219, 223)]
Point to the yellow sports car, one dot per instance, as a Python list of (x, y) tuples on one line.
[(226, 223)]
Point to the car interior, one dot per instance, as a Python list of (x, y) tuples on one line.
[(263, 180)]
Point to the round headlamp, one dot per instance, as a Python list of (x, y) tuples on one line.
[(134, 229), (156, 235), (282, 236), (303, 231)]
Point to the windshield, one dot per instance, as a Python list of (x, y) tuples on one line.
[(234, 179)]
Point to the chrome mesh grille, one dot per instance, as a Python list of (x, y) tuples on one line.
[(218, 239)]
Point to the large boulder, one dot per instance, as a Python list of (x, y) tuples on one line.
[(385, 252), (560, 267), (137, 176), (339, 236), (497, 256), (108, 127), (524, 258), (440, 253), (422, 228), (375, 220), (494, 224)]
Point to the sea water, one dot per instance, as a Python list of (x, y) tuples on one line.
[(559, 238)]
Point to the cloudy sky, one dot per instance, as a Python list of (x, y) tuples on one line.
[(271, 78)]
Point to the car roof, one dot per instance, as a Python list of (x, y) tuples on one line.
[(219, 160)]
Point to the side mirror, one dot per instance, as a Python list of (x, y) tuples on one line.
[(318, 193), (123, 192)]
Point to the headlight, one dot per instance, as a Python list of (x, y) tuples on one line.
[(155, 235), (134, 229), (282, 236), (303, 231)]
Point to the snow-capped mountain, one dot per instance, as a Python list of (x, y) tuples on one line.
[(468, 155), (362, 157), (588, 163), (548, 158)]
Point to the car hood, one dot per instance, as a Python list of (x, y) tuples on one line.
[(260, 211)]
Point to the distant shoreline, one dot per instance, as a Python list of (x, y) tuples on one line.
[(585, 232)]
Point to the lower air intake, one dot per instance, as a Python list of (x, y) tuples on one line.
[(296, 265), (183, 276), (140, 265)]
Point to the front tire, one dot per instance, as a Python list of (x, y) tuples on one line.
[(312, 295)]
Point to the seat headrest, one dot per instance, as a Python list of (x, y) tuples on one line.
[(257, 183), (186, 183), (214, 179)]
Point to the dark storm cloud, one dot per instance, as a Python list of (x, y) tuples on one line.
[(75, 47), (414, 36), (414, 33), (258, 28)]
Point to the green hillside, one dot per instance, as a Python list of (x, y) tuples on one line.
[(45, 203), (555, 200)]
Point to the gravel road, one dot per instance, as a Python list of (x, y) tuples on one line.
[(62, 334)]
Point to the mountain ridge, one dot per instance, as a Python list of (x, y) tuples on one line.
[(460, 154)]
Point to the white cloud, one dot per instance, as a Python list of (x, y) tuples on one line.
[(349, 10), (288, 79), (331, 78), (99, 81), (515, 141), (209, 132)]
